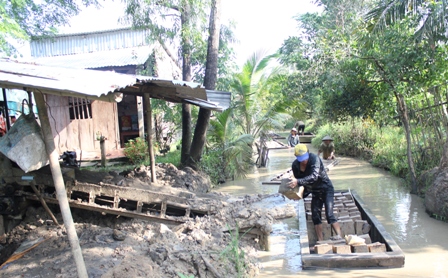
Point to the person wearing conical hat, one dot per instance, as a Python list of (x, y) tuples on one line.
[(309, 171), (326, 148), (293, 138)]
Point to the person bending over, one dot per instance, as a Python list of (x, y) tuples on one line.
[(309, 172), (300, 125)]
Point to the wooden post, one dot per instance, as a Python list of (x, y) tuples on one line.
[(8, 120), (58, 180), (103, 151), (42, 201), (149, 132)]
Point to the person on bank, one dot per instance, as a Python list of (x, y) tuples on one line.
[(293, 138), (326, 148), (300, 125), (309, 172)]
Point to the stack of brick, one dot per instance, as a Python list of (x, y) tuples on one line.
[(350, 221), (342, 247)]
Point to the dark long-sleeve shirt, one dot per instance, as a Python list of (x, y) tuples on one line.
[(314, 178)]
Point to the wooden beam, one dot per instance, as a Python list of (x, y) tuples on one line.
[(147, 99), (59, 185)]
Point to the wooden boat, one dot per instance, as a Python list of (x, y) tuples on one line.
[(306, 137), (384, 252)]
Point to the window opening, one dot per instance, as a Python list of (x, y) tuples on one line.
[(79, 108)]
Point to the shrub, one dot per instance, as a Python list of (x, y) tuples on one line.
[(212, 164), (136, 150), (172, 157), (355, 138)]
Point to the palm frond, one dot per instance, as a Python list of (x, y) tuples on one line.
[(430, 16)]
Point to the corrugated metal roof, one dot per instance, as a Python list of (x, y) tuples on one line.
[(117, 57), (219, 98), (102, 85), (60, 45)]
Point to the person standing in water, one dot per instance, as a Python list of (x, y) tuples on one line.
[(309, 172), (293, 139), (326, 148)]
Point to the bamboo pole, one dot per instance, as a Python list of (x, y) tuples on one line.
[(149, 132), (42, 201), (59, 185)]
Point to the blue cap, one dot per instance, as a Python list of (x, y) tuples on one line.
[(303, 157)]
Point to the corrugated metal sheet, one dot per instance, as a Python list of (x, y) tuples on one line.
[(88, 42), (117, 57), (101, 85), (62, 81), (219, 98)]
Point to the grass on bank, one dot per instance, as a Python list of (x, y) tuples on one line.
[(383, 147)]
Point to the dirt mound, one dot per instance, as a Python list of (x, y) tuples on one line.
[(167, 176), (207, 246)]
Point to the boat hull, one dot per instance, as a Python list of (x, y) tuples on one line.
[(392, 258)]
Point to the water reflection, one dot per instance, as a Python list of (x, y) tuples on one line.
[(422, 238)]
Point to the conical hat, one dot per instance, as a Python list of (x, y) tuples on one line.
[(327, 138)]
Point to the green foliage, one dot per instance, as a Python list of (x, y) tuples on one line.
[(352, 138), (233, 254), (431, 16), (384, 147), (390, 151), (184, 24), (22, 19), (228, 154), (212, 164), (136, 150), (172, 157), (255, 108)]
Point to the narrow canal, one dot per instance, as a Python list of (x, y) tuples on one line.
[(423, 240)]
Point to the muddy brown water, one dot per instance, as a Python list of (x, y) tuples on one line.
[(424, 240)]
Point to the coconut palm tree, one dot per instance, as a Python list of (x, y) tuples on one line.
[(235, 149), (431, 17), (254, 111), (232, 133)]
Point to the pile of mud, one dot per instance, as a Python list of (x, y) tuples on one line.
[(115, 246)]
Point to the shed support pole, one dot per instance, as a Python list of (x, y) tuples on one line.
[(8, 120), (58, 180), (103, 151), (150, 139)]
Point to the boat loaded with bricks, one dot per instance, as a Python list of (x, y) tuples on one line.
[(364, 243)]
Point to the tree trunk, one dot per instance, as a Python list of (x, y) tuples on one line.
[(211, 73), (186, 76), (186, 133), (407, 127), (404, 116)]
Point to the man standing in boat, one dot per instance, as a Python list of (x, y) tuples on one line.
[(300, 126), (310, 173)]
